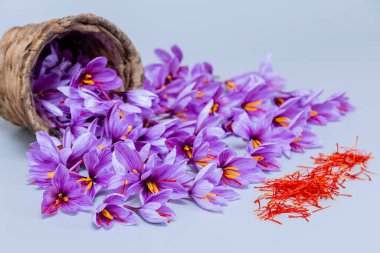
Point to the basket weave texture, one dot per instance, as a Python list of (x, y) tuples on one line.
[(20, 48)]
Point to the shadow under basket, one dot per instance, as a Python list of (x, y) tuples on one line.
[(21, 47)]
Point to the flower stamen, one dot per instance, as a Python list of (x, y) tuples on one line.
[(313, 113), (107, 214), (230, 172), (188, 151), (87, 79), (282, 120), (256, 143), (252, 106), (152, 186)]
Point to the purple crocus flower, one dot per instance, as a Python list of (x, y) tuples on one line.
[(64, 195), (344, 106), (141, 99), (96, 76), (205, 149), (238, 171), (154, 209), (166, 79), (206, 118), (129, 169), (151, 135), (202, 74), (50, 73), (324, 112), (99, 171), (134, 177), (183, 142), (206, 191), (77, 147), (306, 139), (44, 157), (266, 155), (174, 70), (162, 177), (255, 100), (284, 114), (224, 102), (79, 122), (121, 126), (259, 132), (111, 210)]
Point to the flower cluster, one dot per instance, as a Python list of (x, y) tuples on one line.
[(137, 150)]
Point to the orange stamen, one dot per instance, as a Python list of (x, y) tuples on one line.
[(152, 186), (252, 106), (283, 121), (87, 79), (256, 143), (188, 150)]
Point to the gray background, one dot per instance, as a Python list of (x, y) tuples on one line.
[(334, 45)]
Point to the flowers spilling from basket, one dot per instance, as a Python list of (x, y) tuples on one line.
[(125, 154)]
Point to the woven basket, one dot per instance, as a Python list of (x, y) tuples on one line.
[(21, 47)]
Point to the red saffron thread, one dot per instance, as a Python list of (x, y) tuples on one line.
[(299, 194)]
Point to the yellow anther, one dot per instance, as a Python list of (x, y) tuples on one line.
[(252, 106), (256, 143), (230, 172), (279, 101), (296, 139), (258, 157), (209, 196), (50, 174), (87, 79), (231, 85), (87, 181), (188, 151), (61, 198), (106, 214), (283, 121), (199, 94), (214, 108), (152, 187), (204, 161)]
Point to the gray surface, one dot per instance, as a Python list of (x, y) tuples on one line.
[(333, 45)]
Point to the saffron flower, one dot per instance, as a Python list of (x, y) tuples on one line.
[(238, 171), (259, 132), (111, 211), (96, 76), (206, 191), (344, 106), (99, 171), (44, 157), (324, 112), (64, 195), (154, 209), (266, 155)]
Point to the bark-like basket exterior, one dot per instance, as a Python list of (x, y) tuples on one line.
[(20, 48)]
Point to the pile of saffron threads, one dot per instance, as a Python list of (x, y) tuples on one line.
[(299, 194)]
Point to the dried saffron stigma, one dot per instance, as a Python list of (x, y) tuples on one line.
[(299, 194)]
